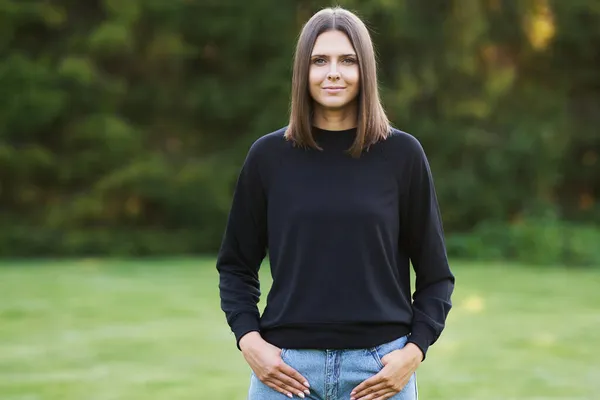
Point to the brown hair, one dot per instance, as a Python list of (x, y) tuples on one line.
[(373, 123)]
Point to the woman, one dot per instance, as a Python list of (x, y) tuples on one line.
[(343, 202)]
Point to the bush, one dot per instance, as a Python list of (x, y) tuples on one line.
[(531, 241), (41, 242)]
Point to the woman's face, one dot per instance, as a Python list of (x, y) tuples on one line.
[(333, 78)]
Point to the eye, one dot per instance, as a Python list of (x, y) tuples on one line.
[(349, 60), (318, 61)]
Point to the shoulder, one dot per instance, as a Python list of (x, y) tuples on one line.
[(402, 147), (266, 144), (404, 142), (265, 150)]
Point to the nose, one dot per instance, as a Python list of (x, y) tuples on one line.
[(333, 74)]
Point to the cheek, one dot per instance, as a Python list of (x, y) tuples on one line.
[(353, 76), (315, 76)]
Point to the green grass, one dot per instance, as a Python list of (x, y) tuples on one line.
[(153, 330)]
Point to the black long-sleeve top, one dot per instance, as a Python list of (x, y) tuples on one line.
[(341, 233)]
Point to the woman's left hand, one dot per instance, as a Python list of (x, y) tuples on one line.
[(398, 367)]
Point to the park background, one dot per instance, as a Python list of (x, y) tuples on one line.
[(123, 125)]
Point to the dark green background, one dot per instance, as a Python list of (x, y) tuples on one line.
[(123, 124)]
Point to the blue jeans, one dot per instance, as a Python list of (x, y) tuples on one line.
[(333, 374)]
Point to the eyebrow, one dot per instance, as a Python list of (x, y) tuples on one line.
[(341, 55)]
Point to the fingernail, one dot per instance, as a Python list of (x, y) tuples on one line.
[(307, 391), (301, 395), (290, 396), (306, 384)]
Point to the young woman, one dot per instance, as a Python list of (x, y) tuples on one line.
[(343, 202)]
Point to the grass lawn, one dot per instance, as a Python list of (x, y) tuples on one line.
[(153, 330)]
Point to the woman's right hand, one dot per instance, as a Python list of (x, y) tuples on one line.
[(265, 360)]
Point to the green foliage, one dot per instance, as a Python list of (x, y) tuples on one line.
[(120, 118), (531, 241), (29, 241)]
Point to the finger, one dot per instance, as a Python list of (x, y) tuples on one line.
[(292, 373), (277, 386), (371, 396), (371, 389), (289, 381), (372, 381), (288, 390), (386, 396), (380, 395)]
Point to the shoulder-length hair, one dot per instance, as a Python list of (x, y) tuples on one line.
[(373, 124)]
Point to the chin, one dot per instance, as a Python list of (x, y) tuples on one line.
[(334, 105)]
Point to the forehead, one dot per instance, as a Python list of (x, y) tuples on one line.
[(333, 43)]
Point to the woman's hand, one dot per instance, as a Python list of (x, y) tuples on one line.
[(265, 360), (399, 365)]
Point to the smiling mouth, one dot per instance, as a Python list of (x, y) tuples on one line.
[(333, 89)]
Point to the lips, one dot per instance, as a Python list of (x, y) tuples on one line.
[(333, 89)]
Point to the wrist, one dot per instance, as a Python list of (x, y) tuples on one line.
[(415, 351), (249, 339)]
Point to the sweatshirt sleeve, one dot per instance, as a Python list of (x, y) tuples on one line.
[(243, 249), (426, 248)]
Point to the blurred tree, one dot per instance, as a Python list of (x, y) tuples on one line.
[(123, 124)]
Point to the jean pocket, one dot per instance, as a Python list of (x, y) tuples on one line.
[(283, 353), (377, 357), (384, 349)]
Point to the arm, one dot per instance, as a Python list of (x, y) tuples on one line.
[(243, 249), (424, 240)]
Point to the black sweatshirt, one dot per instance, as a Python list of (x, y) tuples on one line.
[(341, 233)]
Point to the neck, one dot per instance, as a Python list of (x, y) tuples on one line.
[(335, 120)]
